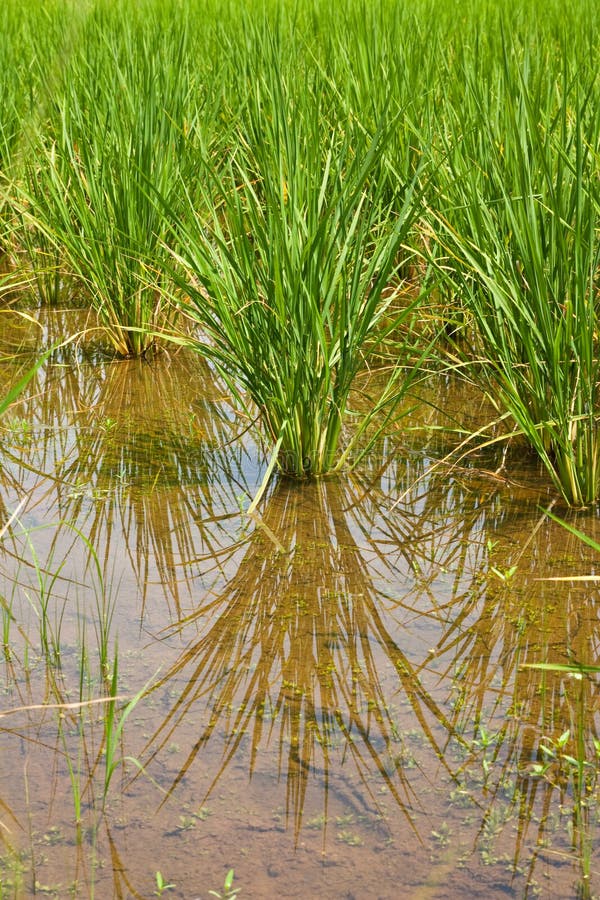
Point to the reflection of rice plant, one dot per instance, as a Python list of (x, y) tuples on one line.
[(567, 762), (566, 759), (313, 678)]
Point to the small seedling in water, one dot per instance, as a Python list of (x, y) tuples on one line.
[(555, 752), (485, 739), (228, 892), (505, 575), (318, 823), (161, 885), (20, 430), (202, 814), (442, 835), (349, 838)]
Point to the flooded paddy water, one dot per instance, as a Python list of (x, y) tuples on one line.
[(336, 698)]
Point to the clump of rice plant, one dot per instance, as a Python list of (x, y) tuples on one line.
[(292, 274), (6, 139), (118, 135), (17, 93), (521, 231)]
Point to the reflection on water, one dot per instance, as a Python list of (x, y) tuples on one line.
[(293, 655), (346, 695), (127, 465)]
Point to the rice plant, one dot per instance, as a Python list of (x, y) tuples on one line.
[(118, 134), (30, 37), (14, 96), (521, 233), (291, 277)]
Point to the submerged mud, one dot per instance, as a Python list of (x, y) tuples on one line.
[(337, 697)]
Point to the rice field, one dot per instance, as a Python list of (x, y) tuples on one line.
[(299, 386)]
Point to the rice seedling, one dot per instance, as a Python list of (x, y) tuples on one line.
[(46, 579), (292, 278), (520, 230), (76, 769), (113, 723)]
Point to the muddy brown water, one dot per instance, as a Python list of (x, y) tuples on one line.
[(341, 694)]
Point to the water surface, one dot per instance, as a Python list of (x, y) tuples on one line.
[(336, 695)]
